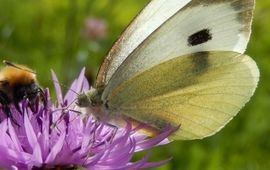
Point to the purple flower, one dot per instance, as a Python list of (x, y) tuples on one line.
[(57, 136), (95, 28)]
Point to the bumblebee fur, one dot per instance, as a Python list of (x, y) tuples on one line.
[(18, 82)]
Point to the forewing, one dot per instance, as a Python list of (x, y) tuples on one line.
[(202, 25), (150, 18), (200, 92)]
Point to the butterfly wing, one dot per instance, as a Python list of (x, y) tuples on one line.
[(201, 25), (150, 18), (201, 92)]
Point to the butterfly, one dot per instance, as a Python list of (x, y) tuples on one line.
[(180, 62)]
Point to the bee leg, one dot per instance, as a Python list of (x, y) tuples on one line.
[(42, 97), (115, 128), (33, 105)]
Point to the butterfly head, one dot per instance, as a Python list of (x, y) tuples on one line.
[(91, 98)]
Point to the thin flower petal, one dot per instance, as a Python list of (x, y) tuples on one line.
[(80, 81), (13, 136), (56, 149), (76, 86), (57, 87), (32, 140), (149, 143), (30, 133), (85, 84)]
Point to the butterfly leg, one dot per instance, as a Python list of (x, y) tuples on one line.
[(115, 129)]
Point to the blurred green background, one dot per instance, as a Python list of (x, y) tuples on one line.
[(68, 35)]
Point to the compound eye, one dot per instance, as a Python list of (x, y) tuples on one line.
[(83, 101)]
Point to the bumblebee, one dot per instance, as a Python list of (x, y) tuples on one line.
[(18, 82)]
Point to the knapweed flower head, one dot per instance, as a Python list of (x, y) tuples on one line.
[(60, 136)]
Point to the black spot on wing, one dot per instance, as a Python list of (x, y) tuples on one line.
[(200, 62), (199, 37)]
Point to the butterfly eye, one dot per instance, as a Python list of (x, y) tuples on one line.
[(83, 101)]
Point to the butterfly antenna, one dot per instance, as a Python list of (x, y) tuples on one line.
[(54, 124), (65, 110), (66, 87), (65, 107), (8, 63)]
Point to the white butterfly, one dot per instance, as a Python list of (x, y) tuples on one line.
[(180, 62)]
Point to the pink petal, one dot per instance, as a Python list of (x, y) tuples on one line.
[(32, 139), (56, 149), (13, 136), (57, 87)]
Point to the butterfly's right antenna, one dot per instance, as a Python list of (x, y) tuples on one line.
[(66, 87)]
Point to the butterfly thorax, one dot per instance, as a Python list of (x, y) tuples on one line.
[(91, 100)]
